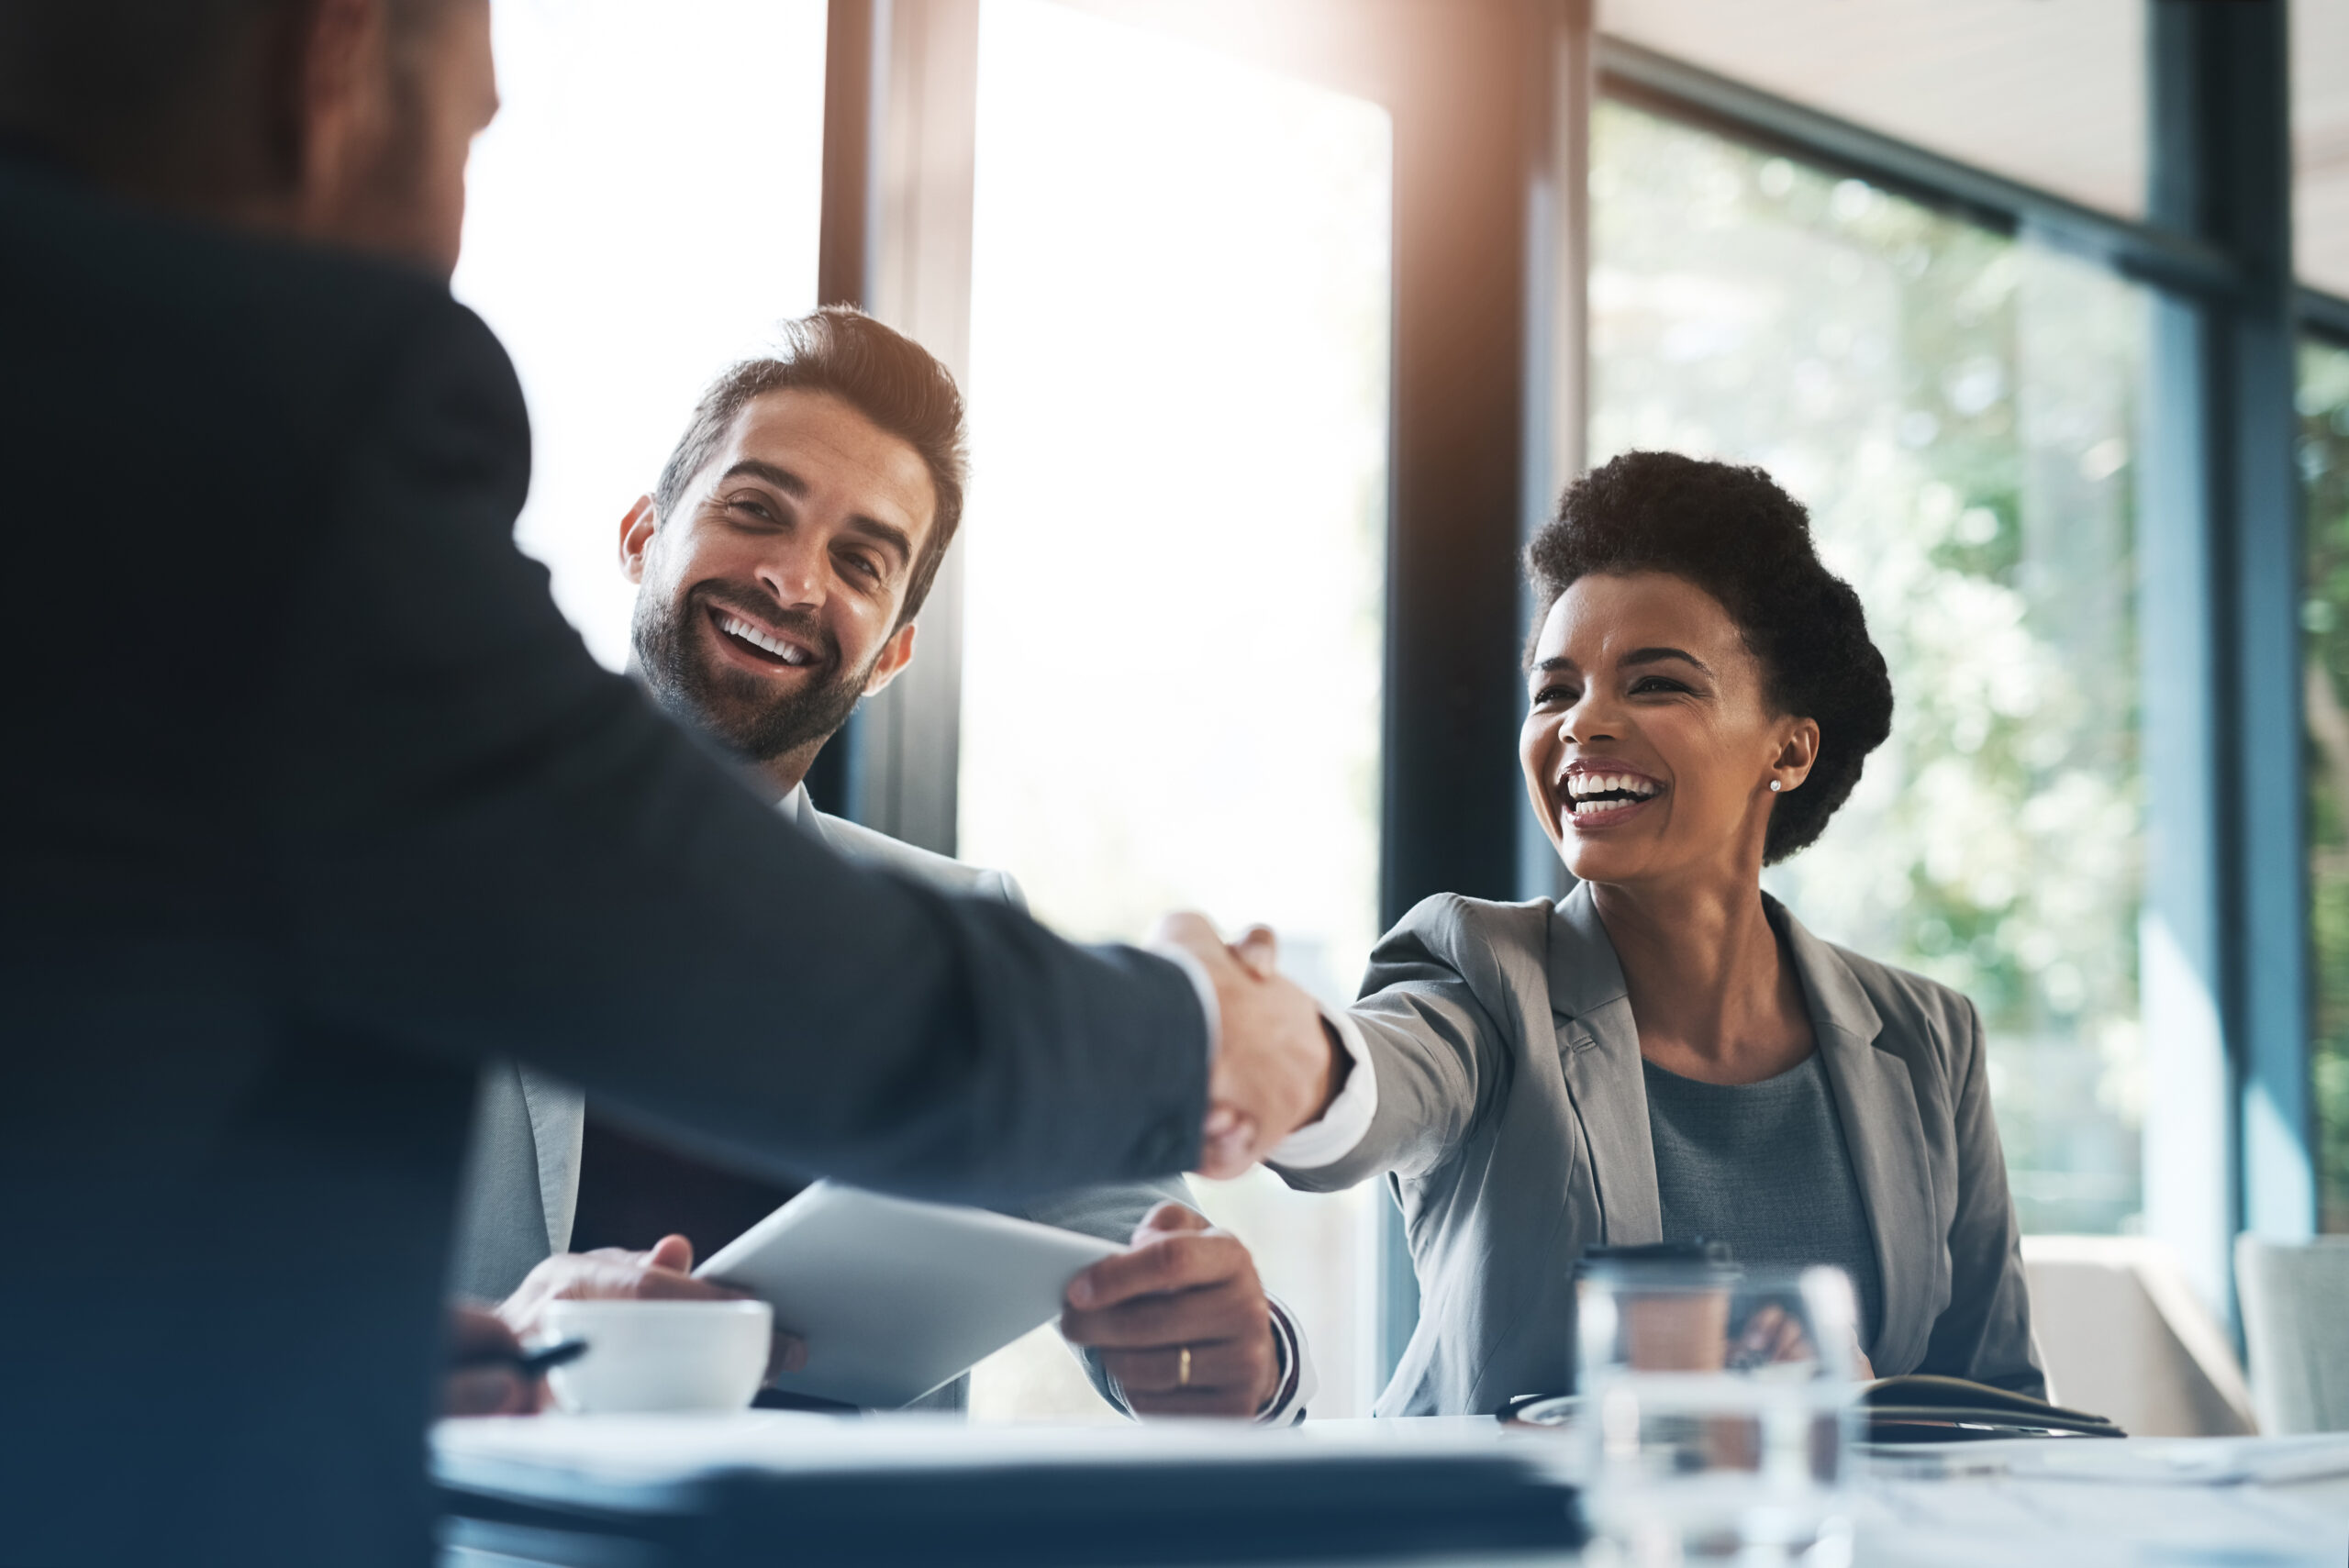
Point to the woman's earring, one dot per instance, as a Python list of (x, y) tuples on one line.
[(1775, 787)]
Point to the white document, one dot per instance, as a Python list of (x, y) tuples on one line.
[(893, 1297)]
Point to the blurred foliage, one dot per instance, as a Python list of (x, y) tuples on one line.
[(1956, 408), (2324, 618)]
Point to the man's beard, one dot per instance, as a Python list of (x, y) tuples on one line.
[(733, 706)]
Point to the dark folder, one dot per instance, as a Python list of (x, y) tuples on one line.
[(1921, 1408), (1122, 1505)]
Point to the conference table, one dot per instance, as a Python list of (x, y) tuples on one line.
[(713, 1491)]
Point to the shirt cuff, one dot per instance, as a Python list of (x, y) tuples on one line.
[(1298, 1383), (1201, 983), (1347, 1121)]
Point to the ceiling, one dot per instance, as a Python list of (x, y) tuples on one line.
[(2321, 142), (2048, 92)]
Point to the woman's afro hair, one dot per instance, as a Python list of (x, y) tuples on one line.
[(1732, 532)]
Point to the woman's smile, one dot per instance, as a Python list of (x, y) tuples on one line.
[(1599, 796)]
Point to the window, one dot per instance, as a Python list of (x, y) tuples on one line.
[(1172, 625), (642, 211), (2324, 616), (1956, 409)]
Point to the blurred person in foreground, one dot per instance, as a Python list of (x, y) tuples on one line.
[(781, 562), (1665, 1053), (318, 804)]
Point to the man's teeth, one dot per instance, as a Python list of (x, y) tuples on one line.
[(735, 626), (1585, 790)]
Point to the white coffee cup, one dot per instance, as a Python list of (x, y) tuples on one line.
[(659, 1355)]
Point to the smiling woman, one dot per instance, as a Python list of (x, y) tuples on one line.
[(1703, 694), (1732, 536), (1957, 410)]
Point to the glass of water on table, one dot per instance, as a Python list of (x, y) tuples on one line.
[(1718, 1409)]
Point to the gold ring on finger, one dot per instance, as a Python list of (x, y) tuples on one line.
[(1183, 1367)]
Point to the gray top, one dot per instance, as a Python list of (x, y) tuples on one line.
[(1764, 1168)]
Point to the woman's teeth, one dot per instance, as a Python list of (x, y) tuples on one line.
[(734, 626), (1589, 793)]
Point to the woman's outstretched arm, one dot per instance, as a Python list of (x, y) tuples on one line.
[(1436, 1049)]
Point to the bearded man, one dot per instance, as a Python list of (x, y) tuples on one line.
[(781, 561)]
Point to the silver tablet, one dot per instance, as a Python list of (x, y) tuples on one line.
[(893, 1297)]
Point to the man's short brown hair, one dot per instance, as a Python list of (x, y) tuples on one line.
[(883, 375)]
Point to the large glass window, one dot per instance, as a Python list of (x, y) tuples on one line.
[(1955, 408), (2324, 467), (642, 211), (1179, 356)]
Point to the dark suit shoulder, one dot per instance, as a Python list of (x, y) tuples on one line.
[(204, 412), (271, 343)]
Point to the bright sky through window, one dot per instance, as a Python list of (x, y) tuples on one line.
[(641, 213), (1177, 527)]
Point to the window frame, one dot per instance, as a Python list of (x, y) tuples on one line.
[(1491, 126), (2232, 1141)]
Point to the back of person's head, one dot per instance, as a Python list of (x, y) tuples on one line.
[(1734, 533), (883, 375), (344, 120), (113, 84)]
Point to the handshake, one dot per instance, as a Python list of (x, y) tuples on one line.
[(1278, 1065)]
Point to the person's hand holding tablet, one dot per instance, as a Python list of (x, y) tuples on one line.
[(1180, 1319)]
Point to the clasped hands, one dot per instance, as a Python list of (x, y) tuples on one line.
[(1278, 1065)]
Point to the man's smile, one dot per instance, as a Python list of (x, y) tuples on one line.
[(760, 646)]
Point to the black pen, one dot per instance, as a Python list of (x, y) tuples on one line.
[(529, 1364)]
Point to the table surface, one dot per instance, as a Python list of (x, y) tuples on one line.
[(2275, 1502), (2089, 1502)]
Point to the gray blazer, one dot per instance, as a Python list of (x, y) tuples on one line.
[(522, 1172), (1512, 1126)]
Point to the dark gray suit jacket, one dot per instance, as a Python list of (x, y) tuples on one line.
[(1512, 1123), (522, 1174), (316, 803)]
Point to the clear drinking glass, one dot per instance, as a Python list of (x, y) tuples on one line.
[(1718, 1408)]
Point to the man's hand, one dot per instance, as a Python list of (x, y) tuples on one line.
[(1183, 1299), (1277, 1067), (664, 1273), (482, 1379)]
